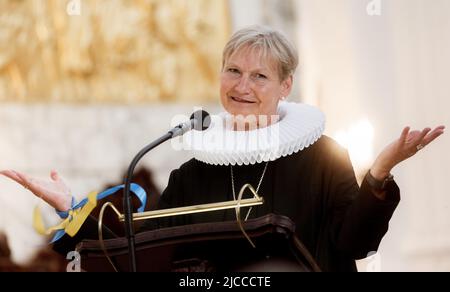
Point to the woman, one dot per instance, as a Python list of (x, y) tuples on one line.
[(304, 175)]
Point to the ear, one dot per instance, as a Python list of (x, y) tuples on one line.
[(286, 86)]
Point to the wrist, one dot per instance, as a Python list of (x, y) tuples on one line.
[(380, 172), (64, 204), (378, 184), (65, 212)]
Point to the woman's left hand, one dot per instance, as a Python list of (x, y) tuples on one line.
[(403, 148)]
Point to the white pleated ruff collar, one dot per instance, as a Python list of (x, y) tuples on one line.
[(299, 127)]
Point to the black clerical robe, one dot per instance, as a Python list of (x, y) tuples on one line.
[(337, 220)]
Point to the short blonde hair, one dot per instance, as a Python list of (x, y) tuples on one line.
[(270, 42)]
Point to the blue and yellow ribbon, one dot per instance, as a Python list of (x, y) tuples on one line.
[(78, 213)]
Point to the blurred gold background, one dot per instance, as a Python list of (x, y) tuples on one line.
[(119, 51)]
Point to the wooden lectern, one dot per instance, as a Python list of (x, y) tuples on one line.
[(208, 247)]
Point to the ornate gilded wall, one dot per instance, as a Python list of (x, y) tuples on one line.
[(116, 51)]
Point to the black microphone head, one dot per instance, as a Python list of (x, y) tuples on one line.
[(202, 120)]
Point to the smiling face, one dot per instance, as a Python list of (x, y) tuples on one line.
[(250, 84)]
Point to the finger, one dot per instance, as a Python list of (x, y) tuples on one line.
[(34, 186), (6, 173), (27, 181), (404, 135), (417, 140), (58, 179), (54, 175), (12, 175), (412, 137), (38, 188), (432, 136)]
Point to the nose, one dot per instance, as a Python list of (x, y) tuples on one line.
[(243, 86)]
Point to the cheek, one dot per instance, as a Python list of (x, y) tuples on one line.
[(225, 85), (269, 98), (265, 94), (224, 89)]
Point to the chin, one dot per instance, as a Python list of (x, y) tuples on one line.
[(240, 111), (243, 109)]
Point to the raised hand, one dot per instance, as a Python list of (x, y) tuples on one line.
[(403, 148), (54, 191)]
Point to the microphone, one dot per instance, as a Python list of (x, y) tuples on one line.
[(200, 121)]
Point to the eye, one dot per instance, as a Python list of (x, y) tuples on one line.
[(261, 76), (233, 70)]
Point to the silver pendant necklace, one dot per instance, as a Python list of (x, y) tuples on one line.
[(257, 188)]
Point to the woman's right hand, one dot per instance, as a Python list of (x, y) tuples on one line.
[(54, 191)]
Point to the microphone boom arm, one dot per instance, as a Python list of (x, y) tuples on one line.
[(129, 229), (200, 120)]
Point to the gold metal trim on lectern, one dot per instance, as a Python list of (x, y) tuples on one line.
[(257, 200), (235, 204)]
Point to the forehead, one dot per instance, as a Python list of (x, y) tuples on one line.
[(252, 58)]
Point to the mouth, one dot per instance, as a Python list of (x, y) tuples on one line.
[(241, 100)]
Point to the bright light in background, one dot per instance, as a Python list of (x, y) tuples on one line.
[(358, 139)]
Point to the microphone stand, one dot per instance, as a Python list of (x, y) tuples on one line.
[(128, 212), (129, 229)]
